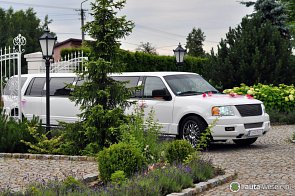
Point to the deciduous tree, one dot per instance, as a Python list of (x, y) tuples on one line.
[(146, 48)]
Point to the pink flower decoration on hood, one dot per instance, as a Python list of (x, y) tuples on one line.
[(249, 96)]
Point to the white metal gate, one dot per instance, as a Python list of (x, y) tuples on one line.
[(70, 63), (10, 62)]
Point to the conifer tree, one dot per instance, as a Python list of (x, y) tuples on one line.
[(102, 99)]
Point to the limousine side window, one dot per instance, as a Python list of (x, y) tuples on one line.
[(152, 83), (59, 86), (35, 87), (132, 82)]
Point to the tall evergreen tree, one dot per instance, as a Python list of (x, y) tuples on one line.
[(272, 11), (194, 43), (253, 53), (101, 99)]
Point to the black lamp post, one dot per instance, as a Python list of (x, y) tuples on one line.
[(179, 53), (47, 42)]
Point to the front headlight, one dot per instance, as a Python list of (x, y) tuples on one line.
[(222, 111)]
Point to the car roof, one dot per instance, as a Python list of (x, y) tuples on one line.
[(113, 74)]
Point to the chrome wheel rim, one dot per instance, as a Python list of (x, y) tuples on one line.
[(191, 132)]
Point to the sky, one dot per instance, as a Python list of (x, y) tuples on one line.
[(163, 23)]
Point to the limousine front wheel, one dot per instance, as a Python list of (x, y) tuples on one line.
[(191, 129)]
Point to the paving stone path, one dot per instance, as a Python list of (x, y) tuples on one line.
[(16, 174), (270, 161), (265, 168)]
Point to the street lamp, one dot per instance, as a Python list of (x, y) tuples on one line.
[(179, 53), (47, 42)]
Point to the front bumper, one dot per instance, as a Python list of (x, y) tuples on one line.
[(238, 127)]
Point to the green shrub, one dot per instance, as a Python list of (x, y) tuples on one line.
[(277, 117), (121, 156), (143, 135), (293, 138), (69, 186), (140, 61), (11, 134), (44, 142), (279, 98), (73, 138), (201, 170), (178, 151), (118, 177)]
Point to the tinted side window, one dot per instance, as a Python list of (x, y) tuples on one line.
[(58, 86), (132, 80), (35, 87), (152, 83)]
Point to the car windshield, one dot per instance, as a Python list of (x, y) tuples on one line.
[(189, 84)]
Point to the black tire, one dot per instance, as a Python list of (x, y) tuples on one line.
[(245, 142), (191, 129)]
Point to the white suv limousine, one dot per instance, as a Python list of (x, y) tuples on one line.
[(184, 104)]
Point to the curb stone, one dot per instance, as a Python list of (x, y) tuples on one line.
[(46, 157), (204, 186)]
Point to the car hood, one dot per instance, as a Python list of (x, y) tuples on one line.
[(221, 99)]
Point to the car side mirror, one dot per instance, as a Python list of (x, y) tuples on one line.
[(161, 93)]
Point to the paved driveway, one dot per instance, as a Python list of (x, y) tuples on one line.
[(269, 161), (268, 164)]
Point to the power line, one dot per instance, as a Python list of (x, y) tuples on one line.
[(37, 5)]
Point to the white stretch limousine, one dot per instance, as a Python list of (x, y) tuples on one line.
[(184, 104)]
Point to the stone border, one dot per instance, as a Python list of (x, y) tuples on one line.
[(46, 157), (204, 186)]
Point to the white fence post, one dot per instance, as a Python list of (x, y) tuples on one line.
[(19, 41)]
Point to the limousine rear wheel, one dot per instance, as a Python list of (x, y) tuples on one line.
[(191, 129)]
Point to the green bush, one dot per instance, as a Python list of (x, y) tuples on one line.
[(69, 186), (200, 170), (143, 134), (140, 61), (73, 138), (11, 134), (178, 150), (280, 98), (277, 117), (118, 177), (121, 156)]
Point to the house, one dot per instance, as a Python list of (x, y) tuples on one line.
[(69, 43)]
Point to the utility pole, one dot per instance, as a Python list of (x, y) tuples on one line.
[(82, 13)]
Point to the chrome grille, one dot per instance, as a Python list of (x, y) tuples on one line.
[(249, 109)]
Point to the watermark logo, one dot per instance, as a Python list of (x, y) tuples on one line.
[(235, 186)]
